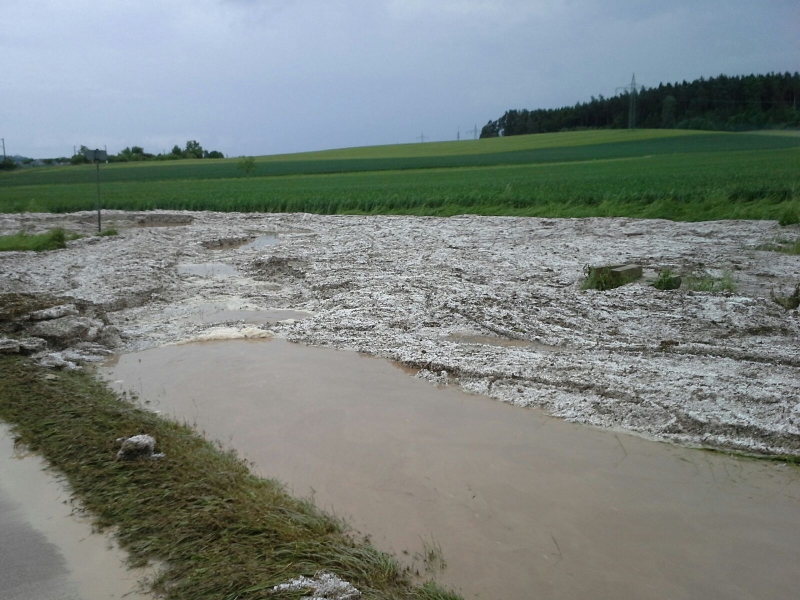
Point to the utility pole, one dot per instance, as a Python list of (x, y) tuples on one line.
[(631, 89), (422, 137), (4, 150), (474, 132), (458, 135)]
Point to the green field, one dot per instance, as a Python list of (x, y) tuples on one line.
[(671, 174)]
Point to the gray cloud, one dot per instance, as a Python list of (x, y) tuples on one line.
[(252, 77)]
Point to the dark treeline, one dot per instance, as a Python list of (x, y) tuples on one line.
[(719, 103)]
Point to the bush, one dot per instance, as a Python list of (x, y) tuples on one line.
[(247, 165)]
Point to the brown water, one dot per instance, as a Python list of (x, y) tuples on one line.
[(523, 505), (46, 551)]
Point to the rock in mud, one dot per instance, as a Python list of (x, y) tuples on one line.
[(55, 312), (55, 360), (67, 330), (138, 447), (9, 346), (276, 268), (32, 345)]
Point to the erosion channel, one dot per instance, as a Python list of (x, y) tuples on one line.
[(521, 504)]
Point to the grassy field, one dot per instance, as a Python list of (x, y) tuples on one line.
[(648, 173)]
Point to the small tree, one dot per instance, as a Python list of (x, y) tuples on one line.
[(247, 165), (193, 149)]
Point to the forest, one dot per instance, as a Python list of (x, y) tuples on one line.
[(721, 103)]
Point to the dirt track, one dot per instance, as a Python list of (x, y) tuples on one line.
[(719, 369)]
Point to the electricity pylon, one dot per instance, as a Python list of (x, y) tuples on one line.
[(631, 89)]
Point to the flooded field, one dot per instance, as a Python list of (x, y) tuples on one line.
[(522, 505), (493, 305), (47, 552)]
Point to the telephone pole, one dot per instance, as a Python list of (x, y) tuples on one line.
[(4, 149)]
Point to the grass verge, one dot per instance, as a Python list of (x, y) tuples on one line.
[(52, 240), (219, 531)]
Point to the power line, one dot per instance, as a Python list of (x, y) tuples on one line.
[(422, 137), (631, 89)]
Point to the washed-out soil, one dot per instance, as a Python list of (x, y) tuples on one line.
[(493, 304)]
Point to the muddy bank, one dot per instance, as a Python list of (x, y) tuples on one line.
[(718, 369)]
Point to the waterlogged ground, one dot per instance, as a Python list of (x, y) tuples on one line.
[(446, 296)]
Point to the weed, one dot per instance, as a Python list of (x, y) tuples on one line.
[(707, 283), (219, 531), (667, 281), (107, 232), (432, 557), (432, 591), (52, 240), (789, 217), (789, 301), (603, 278)]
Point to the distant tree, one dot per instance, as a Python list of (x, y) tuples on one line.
[(6, 164), (80, 157), (193, 150), (247, 165), (213, 154), (176, 150), (668, 110)]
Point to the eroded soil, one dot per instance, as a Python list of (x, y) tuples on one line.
[(716, 369)]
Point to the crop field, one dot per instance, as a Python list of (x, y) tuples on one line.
[(679, 175)]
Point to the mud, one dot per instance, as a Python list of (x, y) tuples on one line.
[(48, 550), (714, 369), (522, 505)]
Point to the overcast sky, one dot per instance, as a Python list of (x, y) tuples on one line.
[(273, 76)]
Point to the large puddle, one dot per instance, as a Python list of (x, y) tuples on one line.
[(523, 505), (46, 552)]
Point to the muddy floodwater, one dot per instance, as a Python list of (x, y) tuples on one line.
[(522, 505), (46, 551)]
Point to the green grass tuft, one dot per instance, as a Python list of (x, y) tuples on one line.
[(707, 283), (601, 278), (52, 240), (107, 232), (789, 217), (667, 281), (219, 531)]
